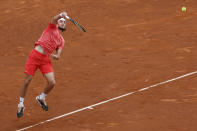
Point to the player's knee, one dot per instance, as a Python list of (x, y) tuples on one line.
[(52, 83)]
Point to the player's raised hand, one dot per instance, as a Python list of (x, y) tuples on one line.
[(64, 14)]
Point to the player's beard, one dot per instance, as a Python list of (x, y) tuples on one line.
[(62, 29)]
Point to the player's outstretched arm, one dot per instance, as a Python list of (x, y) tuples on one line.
[(57, 17)]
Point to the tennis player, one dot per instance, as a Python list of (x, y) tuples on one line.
[(50, 40)]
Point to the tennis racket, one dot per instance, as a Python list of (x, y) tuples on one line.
[(76, 24)]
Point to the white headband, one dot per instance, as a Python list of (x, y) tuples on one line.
[(62, 19)]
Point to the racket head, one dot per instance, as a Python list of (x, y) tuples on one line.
[(78, 25)]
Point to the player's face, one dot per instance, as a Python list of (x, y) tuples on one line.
[(62, 24)]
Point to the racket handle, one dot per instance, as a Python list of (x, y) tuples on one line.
[(67, 17)]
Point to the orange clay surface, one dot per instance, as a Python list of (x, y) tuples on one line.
[(129, 45)]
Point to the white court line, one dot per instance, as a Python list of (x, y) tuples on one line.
[(115, 98)]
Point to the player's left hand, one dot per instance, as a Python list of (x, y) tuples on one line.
[(56, 57)]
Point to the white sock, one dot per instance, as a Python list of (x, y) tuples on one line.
[(43, 95), (21, 101)]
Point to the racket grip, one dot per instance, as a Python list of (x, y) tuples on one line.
[(67, 17)]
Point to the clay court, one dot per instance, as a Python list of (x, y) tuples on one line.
[(129, 47)]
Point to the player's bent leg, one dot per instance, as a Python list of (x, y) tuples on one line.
[(50, 82), (49, 86)]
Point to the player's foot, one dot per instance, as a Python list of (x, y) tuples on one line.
[(42, 103), (20, 110)]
